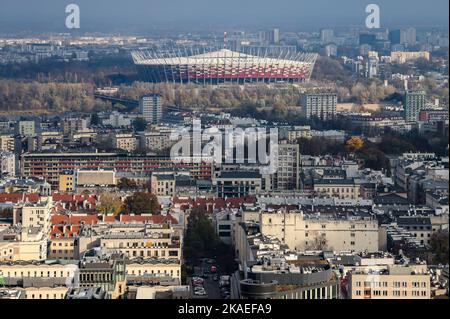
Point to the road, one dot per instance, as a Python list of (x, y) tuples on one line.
[(211, 286)]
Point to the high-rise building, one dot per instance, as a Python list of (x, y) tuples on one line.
[(151, 108), (404, 36), (414, 102), (288, 170), (367, 38), (275, 36), (26, 128), (395, 36), (326, 36), (321, 105), (7, 164), (409, 36)]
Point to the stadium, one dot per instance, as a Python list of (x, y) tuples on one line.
[(224, 66)]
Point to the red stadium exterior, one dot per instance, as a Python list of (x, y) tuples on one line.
[(225, 66)]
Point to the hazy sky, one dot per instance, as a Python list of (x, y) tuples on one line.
[(143, 15)]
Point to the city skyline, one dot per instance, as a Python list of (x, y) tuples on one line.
[(139, 16)]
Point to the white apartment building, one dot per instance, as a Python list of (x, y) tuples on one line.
[(7, 164), (319, 232)]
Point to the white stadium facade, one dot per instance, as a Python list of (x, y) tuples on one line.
[(224, 66)]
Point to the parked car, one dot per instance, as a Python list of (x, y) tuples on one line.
[(200, 291)]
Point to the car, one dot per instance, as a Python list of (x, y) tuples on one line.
[(224, 290), (198, 279), (200, 292)]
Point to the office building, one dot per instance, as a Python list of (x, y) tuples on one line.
[(326, 36), (288, 171), (151, 108), (7, 164), (390, 282), (303, 231), (26, 128), (238, 184), (414, 102), (320, 105)]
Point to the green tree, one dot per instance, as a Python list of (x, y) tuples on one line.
[(201, 238), (439, 245), (95, 119), (139, 124), (142, 203)]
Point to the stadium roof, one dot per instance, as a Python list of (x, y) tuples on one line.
[(223, 56)]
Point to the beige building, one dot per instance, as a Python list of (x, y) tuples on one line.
[(37, 270), (154, 267), (7, 143), (403, 57), (313, 232), (34, 215), (95, 178), (156, 141), (28, 239), (393, 282), (146, 241), (297, 132), (62, 247), (127, 142), (163, 184), (39, 280), (23, 246), (58, 292), (340, 188)]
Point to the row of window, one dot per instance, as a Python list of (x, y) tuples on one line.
[(395, 284)]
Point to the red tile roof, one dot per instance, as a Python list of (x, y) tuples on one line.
[(74, 219), (19, 197)]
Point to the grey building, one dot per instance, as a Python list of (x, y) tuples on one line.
[(150, 107), (321, 105), (414, 102)]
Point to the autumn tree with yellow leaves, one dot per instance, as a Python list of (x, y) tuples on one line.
[(354, 144)]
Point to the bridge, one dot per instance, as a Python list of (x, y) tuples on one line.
[(132, 104)]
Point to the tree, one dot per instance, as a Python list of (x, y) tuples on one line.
[(139, 124), (439, 245), (110, 204), (142, 203), (95, 119), (126, 183), (354, 144), (374, 158), (200, 236)]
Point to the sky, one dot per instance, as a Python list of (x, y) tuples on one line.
[(146, 15)]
